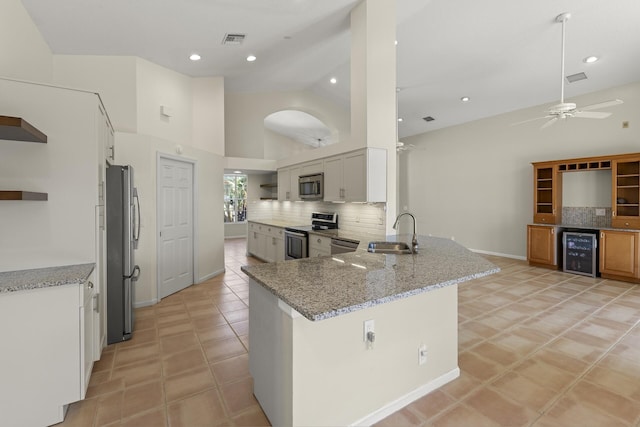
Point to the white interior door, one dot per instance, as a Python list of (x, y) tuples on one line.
[(175, 220)]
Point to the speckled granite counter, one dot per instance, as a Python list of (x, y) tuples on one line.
[(15, 281), (585, 227), (274, 223), (325, 287)]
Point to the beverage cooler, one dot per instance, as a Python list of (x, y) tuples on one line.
[(580, 252)]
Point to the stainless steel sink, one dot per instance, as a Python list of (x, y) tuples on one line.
[(397, 248)]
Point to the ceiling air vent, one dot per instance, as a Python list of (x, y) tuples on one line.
[(576, 77), (428, 119), (233, 39)]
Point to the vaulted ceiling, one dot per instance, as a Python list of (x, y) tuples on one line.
[(502, 54)]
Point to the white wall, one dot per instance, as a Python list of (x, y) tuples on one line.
[(140, 151), (23, 52), (474, 181), (61, 230), (157, 86), (113, 77), (245, 113), (278, 147), (586, 189), (208, 114)]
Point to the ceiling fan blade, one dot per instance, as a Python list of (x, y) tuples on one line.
[(529, 120), (591, 114), (549, 123), (604, 104)]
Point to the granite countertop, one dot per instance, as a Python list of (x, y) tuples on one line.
[(20, 280), (325, 287), (586, 227), (273, 222)]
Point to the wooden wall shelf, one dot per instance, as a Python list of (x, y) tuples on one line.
[(22, 195), (17, 129)]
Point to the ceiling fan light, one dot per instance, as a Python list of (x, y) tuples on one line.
[(590, 59)]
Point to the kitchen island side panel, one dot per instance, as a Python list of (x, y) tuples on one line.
[(312, 366)]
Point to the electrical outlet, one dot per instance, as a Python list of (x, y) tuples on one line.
[(369, 326), (380, 221), (357, 219), (422, 354), (600, 212)]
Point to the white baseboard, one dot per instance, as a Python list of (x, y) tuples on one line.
[(211, 275), (145, 303), (480, 251), (403, 401)]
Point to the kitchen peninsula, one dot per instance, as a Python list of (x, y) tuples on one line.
[(309, 357)]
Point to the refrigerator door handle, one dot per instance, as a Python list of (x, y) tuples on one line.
[(135, 274), (136, 225)]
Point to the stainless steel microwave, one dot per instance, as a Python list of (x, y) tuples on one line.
[(311, 187)]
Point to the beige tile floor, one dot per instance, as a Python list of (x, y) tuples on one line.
[(537, 348)]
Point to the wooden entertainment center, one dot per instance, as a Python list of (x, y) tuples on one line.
[(619, 247)]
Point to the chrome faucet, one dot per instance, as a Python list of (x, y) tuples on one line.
[(414, 240)]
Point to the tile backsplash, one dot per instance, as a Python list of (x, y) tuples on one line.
[(586, 216), (353, 217)]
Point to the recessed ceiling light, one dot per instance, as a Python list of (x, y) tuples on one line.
[(399, 119), (251, 58), (237, 171), (591, 59), (194, 57), (333, 80), (465, 99), (396, 42)]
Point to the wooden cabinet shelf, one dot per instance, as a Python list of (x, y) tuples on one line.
[(22, 195), (274, 185), (17, 129)]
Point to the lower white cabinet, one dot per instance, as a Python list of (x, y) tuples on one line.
[(319, 246), (49, 346), (265, 242)]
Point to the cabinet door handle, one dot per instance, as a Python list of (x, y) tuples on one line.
[(553, 231), (90, 285), (319, 240)]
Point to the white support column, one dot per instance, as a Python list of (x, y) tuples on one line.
[(373, 86)]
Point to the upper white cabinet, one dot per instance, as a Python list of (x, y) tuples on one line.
[(311, 167), (288, 183), (358, 176)]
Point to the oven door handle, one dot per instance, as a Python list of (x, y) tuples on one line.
[(293, 233)]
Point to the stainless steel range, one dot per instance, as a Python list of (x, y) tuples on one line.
[(296, 239)]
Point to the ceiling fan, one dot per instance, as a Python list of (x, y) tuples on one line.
[(401, 146), (564, 109)]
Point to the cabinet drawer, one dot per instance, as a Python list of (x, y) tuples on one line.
[(321, 243), (272, 231)]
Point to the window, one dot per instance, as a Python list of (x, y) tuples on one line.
[(235, 198)]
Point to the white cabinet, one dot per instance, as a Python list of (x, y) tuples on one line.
[(288, 184), (89, 330), (358, 176), (105, 135), (319, 246), (266, 242), (311, 167), (48, 354)]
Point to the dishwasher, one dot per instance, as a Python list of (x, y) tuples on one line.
[(341, 246)]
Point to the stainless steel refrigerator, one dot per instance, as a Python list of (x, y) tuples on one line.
[(123, 232)]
